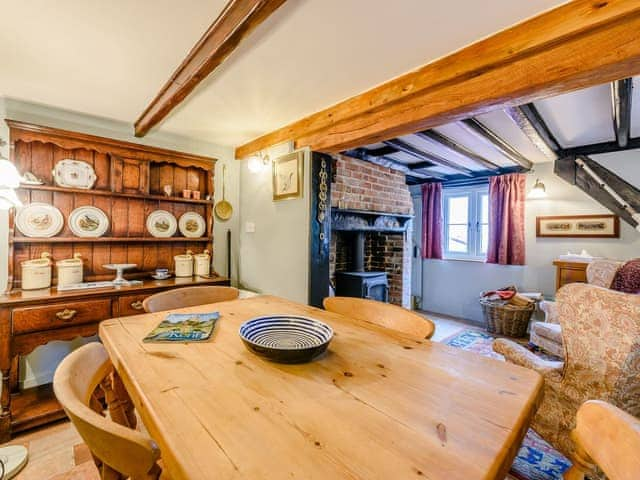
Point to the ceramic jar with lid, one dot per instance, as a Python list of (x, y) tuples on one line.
[(184, 264), (202, 263), (70, 270), (36, 273)]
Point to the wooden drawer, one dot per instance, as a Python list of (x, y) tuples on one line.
[(60, 315), (130, 305)]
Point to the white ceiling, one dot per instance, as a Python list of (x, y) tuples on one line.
[(110, 58)]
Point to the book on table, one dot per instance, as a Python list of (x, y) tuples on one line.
[(184, 327)]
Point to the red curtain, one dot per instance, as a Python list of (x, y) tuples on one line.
[(506, 219), (432, 220)]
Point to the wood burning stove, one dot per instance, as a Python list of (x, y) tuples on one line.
[(371, 285), (358, 283)]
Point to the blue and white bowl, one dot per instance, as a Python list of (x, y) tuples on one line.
[(286, 338)]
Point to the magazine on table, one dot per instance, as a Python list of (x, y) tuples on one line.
[(184, 327)]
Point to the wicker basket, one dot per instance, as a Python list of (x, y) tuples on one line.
[(509, 320)]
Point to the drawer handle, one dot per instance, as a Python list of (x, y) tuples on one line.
[(137, 305), (66, 314)]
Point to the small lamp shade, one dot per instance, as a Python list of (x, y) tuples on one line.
[(538, 190), (255, 164), (8, 198), (9, 176)]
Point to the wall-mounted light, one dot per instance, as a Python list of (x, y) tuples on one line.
[(9, 181), (258, 162), (538, 190)]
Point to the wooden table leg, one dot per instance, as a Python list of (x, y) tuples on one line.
[(5, 370)]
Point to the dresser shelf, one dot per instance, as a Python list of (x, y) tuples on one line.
[(107, 239), (107, 193)]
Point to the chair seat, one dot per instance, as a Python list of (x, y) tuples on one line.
[(548, 337), (550, 331)]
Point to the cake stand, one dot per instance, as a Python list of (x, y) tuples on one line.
[(120, 268)]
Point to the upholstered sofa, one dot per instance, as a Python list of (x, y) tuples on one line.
[(547, 335), (600, 331)]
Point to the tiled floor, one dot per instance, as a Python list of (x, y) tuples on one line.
[(51, 447)]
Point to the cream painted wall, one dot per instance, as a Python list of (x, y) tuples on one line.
[(275, 258), (38, 367), (452, 287)]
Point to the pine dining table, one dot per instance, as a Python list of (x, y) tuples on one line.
[(376, 405)]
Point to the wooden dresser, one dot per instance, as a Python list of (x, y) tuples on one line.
[(570, 272), (130, 181)]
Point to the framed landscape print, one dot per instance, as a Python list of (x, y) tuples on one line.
[(287, 176), (579, 226)]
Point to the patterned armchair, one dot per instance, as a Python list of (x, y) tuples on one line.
[(547, 334), (601, 335)]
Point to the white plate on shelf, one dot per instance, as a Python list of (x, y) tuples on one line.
[(161, 223), (39, 220), (74, 174), (88, 222), (192, 225)]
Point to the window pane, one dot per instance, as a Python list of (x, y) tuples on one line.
[(484, 209), (458, 239), (458, 210), (484, 238)]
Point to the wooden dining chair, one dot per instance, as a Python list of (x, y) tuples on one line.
[(188, 297), (119, 451), (383, 314), (607, 437)]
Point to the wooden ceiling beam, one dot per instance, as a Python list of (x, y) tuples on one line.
[(604, 147), (621, 103), (493, 140), (458, 148), (576, 45), (237, 20), (527, 118), (383, 161), (427, 156)]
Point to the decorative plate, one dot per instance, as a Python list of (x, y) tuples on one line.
[(74, 174), (161, 223), (192, 224), (88, 222), (286, 338), (39, 220)]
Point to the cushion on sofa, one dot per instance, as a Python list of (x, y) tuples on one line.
[(627, 278)]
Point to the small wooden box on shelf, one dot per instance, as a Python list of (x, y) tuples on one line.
[(130, 184)]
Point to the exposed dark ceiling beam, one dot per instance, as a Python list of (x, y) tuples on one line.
[(532, 125), (495, 141), (605, 147), (382, 151), (457, 148), (363, 154), (458, 180), (621, 103), (427, 157)]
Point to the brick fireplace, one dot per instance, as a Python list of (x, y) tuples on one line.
[(373, 200)]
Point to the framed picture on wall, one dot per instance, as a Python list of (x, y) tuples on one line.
[(579, 226), (287, 176)]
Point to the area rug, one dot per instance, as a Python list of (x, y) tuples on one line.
[(536, 460)]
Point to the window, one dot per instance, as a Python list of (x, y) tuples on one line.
[(466, 222)]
